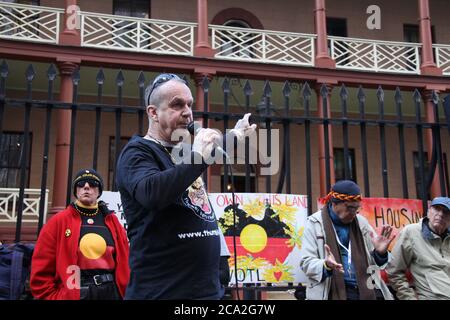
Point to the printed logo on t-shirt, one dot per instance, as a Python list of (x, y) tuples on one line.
[(197, 200)]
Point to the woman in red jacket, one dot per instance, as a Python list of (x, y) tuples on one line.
[(81, 252)]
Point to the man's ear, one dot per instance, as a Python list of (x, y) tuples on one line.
[(151, 113)]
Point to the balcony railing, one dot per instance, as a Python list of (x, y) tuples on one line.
[(263, 46), (443, 57), (375, 56), (135, 34), (29, 23), (9, 200), (42, 24)]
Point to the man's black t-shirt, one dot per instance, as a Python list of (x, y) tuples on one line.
[(172, 228)]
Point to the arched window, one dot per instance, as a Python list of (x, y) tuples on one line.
[(237, 24), (132, 8), (237, 44), (128, 29)]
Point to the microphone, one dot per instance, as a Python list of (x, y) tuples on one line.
[(194, 127)]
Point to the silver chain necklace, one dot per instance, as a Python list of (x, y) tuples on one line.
[(148, 137)]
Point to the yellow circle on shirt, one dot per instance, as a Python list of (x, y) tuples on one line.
[(92, 246)]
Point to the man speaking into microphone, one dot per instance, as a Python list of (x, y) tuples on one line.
[(172, 228), (240, 131)]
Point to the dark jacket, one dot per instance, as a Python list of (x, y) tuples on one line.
[(174, 240)]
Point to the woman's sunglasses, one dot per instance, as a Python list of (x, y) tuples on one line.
[(92, 183)]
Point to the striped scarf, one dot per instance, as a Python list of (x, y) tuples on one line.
[(359, 260)]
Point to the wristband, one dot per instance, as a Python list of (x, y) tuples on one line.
[(326, 267)]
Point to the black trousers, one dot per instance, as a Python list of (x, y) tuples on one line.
[(353, 293), (106, 291), (99, 287)]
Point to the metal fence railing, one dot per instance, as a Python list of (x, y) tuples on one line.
[(287, 118)]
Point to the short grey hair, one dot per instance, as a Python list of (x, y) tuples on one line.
[(157, 96)]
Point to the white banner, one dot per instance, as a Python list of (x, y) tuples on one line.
[(268, 238), (269, 229), (112, 200)]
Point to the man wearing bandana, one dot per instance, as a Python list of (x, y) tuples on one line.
[(341, 253)]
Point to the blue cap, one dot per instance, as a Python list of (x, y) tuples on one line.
[(441, 201), (345, 188)]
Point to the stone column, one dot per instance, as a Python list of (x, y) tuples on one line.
[(64, 116), (428, 66), (322, 59), (202, 47), (70, 34)]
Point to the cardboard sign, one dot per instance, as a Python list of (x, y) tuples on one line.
[(268, 230), (112, 200), (268, 238), (390, 211)]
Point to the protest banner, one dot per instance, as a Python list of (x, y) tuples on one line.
[(269, 229), (390, 211)]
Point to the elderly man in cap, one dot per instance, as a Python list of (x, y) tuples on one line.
[(341, 254), (423, 248), (81, 252)]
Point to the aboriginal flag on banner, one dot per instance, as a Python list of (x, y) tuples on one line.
[(268, 234)]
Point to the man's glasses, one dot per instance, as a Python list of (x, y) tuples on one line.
[(91, 183), (159, 80), (351, 208)]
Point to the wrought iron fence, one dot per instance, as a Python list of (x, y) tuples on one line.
[(287, 118)]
